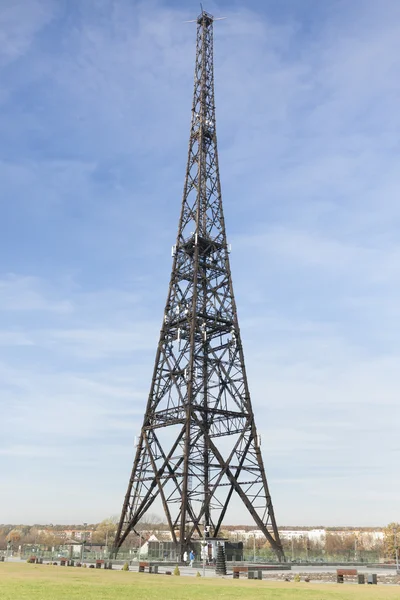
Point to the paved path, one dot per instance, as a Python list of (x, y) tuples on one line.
[(210, 571)]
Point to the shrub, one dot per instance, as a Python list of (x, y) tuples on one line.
[(177, 571), (125, 567), (198, 574), (296, 578)]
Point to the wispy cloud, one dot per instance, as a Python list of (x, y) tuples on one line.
[(20, 23), (94, 122), (24, 293), (99, 342)]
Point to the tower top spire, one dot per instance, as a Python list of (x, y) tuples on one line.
[(204, 18)]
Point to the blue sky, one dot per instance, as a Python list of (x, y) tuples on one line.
[(95, 102)]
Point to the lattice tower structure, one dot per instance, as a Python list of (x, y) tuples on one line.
[(199, 444)]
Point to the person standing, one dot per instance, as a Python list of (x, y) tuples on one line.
[(185, 557), (191, 558)]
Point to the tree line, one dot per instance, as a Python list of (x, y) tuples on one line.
[(335, 545)]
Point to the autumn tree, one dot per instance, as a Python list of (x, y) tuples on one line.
[(391, 539), (4, 531), (105, 531), (14, 536)]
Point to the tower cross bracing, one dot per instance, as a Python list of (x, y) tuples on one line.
[(199, 445)]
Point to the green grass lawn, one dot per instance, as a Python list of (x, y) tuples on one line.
[(42, 582)]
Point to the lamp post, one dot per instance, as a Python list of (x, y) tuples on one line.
[(83, 543), (306, 546), (396, 548), (291, 539), (206, 530)]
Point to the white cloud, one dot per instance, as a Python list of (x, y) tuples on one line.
[(15, 338), (24, 293), (20, 22), (100, 342), (31, 452), (308, 131)]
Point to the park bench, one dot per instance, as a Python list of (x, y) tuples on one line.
[(142, 566), (238, 570), (342, 573), (152, 568), (252, 572)]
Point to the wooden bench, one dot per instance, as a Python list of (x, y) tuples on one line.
[(152, 568), (254, 573), (342, 573), (238, 570)]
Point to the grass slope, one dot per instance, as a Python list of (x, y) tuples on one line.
[(43, 582)]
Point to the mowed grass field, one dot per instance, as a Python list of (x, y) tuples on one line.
[(42, 582)]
